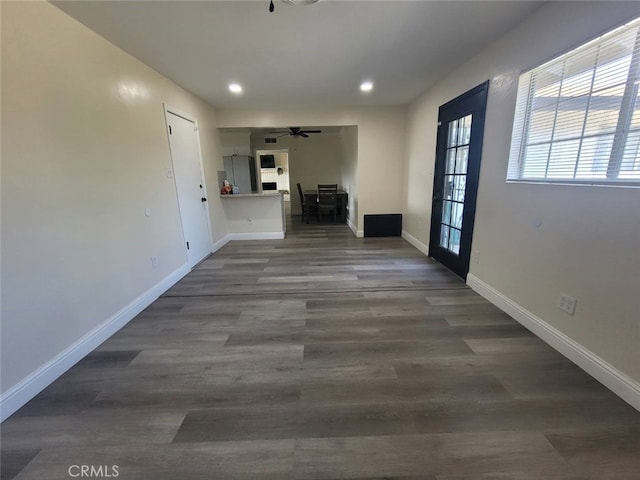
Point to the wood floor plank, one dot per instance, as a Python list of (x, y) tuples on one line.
[(349, 352), (597, 447), (13, 460), (93, 427), (248, 460), (397, 455)]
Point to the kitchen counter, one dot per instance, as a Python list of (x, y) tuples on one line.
[(255, 195), (255, 216)]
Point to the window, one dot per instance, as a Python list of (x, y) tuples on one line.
[(578, 116)]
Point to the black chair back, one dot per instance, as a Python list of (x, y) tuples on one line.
[(327, 200), (307, 207), (301, 195), (327, 188)]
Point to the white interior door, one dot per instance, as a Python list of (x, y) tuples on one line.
[(192, 195)]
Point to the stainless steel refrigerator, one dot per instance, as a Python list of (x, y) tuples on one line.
[(241, 171)]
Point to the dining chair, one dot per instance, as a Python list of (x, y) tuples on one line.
[(306, 207), (328, 187), (328, 200)]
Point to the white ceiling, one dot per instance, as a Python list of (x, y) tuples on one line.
[(301, 56)]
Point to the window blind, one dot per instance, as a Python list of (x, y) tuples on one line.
[(577, 116)]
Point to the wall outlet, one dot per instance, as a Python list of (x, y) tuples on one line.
[(567, 304), (475, 257), (154, 262)]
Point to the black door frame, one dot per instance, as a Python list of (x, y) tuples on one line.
[(472, 102)]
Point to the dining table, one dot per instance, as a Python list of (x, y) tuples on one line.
[(311, 198)]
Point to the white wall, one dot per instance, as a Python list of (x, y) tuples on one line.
[(381, 143), (349, 168), (587, 245), (84, 153)]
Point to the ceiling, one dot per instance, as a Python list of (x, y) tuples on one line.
[(301, 56)]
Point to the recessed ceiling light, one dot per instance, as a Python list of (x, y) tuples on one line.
[(235, 88), (366, 86)]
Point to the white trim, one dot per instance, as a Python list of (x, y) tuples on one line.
[(38, 380), (219, 244), (353, 227), (415, 242), (616, 381), (256, 236)]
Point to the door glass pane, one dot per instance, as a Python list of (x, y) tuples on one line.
[(465, 130), (459, 186), (448, 187), (444, 236), (451, 160), (456, 214), (453, 134), (461, 159), (454, 241), (446, 212)]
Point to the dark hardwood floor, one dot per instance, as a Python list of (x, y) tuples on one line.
[(323, 356)]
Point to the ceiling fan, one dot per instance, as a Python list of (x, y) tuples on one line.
[(292, 2), (298, 132)]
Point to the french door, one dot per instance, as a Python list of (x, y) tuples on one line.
[(456, 174)]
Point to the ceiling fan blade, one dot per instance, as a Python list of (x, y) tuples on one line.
[(311, 131), (303, 135)]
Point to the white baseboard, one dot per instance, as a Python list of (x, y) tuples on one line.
[(352, 227), (219, 244), (415, 242), (616, 381), (34, 383), (256, 236)]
